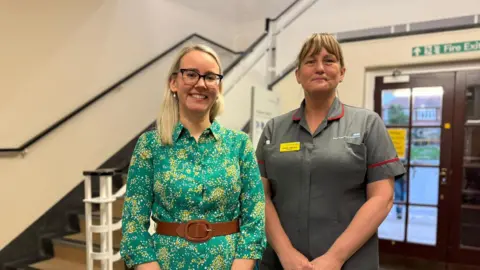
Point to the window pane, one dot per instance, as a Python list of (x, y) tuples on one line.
[(423, 185), (472, 146), (399, 138), (470, 219), (427, 106), (422, 225), (393, 227), (396, 106), (470, 226), (425, 146), (472, 103)]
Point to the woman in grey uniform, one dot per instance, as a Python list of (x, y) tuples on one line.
[(328, 172)]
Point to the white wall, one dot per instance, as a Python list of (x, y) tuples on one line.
[(238, 92), (338, 16), (389, 54), (248, 16), (53, 166), (61, 55), (55, 55)]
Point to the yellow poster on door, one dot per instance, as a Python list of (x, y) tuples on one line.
[(399, 139)]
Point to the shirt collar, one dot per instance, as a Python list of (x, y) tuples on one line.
[(336, 112), (214, 129)]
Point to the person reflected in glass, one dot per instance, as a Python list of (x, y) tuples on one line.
[(399, 196)]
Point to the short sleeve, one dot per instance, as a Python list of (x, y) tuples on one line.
[(259, 153), (382, 158)]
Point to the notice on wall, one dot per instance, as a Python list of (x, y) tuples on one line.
[(446, 48), (265, 106), (399, 139)]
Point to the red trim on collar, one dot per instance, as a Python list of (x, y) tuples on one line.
[(338, 116), (295, 117)]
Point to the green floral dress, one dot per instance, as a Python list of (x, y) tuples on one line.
[(216, 179)]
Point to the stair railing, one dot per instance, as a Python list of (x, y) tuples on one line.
[(106, 255), (265, 44)]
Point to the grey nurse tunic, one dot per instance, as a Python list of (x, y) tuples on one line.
[(319, 181)]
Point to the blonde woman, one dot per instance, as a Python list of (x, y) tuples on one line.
[(328, 170), (198, 180)]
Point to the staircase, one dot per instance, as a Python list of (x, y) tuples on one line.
[(57, 240), (69, 251)]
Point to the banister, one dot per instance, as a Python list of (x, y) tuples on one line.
[(23, 148), (42, 134)]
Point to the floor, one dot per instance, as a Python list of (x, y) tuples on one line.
[(391, 262)]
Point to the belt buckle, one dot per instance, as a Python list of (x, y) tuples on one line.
[(208, 229)]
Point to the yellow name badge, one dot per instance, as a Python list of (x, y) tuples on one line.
[(290, 147)]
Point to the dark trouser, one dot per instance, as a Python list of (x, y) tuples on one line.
[(399, 194), (269, 260)]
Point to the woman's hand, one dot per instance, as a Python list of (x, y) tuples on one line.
[(148, 266), (292, 259), (327, 262)]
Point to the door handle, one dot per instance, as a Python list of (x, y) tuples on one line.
[(443, 176)]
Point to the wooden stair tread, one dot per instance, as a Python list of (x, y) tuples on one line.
[(59, 264), (76, 237), (73, 249), (80, 239), (96, 216)]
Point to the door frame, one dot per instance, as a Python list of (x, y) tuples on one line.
[(369, 103), (447, 81), (372, 72), (459, 255)]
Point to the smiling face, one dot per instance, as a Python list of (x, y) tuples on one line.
[(196, 83), (320, 64)]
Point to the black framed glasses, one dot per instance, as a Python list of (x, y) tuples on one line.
[(191, 77)]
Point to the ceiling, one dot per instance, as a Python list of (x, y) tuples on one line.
[(237, 10)]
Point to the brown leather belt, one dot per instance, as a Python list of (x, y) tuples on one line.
[(198, 230)]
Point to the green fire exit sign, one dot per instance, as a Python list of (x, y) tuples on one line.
[(447, 48)]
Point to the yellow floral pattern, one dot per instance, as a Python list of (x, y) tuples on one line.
[(216, 178)]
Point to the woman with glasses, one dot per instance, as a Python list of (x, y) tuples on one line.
[(196, 179)]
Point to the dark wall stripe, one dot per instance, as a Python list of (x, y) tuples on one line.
[(450, 24), (364, 33), (443, 23)]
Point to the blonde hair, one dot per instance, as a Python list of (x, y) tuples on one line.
[(169, 111), (314, 44)]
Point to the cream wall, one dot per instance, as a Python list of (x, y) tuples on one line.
[(53, 166), (338, 16), (56, 54), (380, 54)]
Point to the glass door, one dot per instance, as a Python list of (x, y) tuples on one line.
[(465, 211), (418, 116)]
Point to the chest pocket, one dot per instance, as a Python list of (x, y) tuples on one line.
[(342, 158), (278, 162), (283, 167), (356, 148)]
